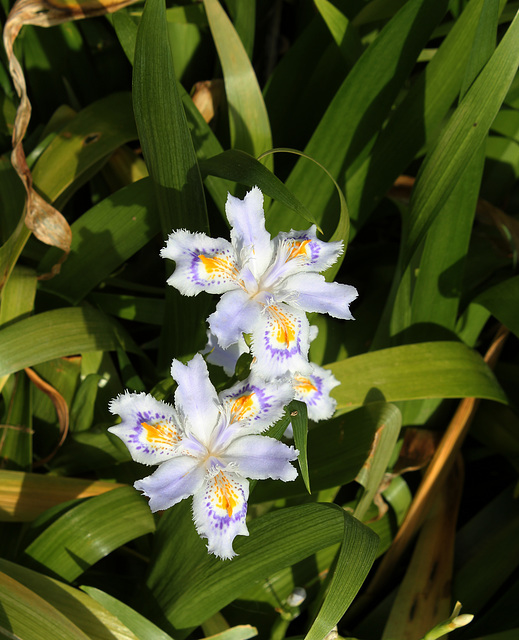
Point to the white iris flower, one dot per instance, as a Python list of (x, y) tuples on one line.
[(206, 446), (267, 285)]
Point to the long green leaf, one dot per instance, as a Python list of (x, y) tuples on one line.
[(248, 118), (502, 300), (103, 238), (82, 610), (460, 139), (162, 126), (23, 614), (53, 334), (361, 105), (90, 531), (204, 584), (416, 371), (358, 551)]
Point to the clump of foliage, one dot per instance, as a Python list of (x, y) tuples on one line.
[(392, 125)]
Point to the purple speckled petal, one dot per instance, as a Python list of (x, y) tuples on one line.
[(150, 429), (280, 342), (219, 511), (260, 457), (312, 293), (202, 263), (314, 390), (248, 235), (173, 481), (195, 398), (298, 251), (256, 404)]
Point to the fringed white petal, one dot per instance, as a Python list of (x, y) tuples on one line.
[(150, 429), (219, 511), (314, 390), (202, 263)]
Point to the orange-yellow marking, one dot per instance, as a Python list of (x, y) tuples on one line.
[(241, 406), (218, 266), (285, 327), (160, 433), (305, 384), (298, 249), (226, 497)]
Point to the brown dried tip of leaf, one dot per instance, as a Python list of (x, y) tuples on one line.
[(61, 410), (46, 222)]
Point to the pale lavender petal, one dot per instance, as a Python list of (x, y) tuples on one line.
[(150, 429), (173, 481), (219, 512), (280, 342), (312, 293), (248, 235), (226, 358), (202, 263), (235, 314), (298, 251), (314, 390), (195, 398), (256, 404), (260, 457)]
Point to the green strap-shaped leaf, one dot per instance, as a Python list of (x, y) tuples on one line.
[(57, 333), (502, 300), (357, 554), (90, 531), (372, 473), (241, 167), (103, 238), (23, 614), (162, 126), (360, 106), (140, 625), (462, 136), (299, 420), (248, 118), (415, 371), (341, 29), (90, 616), (88, 138), (203, 584), (337, 449)]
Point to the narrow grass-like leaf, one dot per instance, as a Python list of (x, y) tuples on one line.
[(299, 420), (248, 118), (416, 119), (137, 308), (24, 496), (140, 625), (239, 166), (341, 29), (24, 614), (361, 105), (416, 371), (337, 450), (57, 333), (82, 610), (462, 136), (91, 136), (18, 295), (376, 465), (103, 238), (90, 531), (162, 126), (16, 428), (204, 584), (502, 300), (357, 554)]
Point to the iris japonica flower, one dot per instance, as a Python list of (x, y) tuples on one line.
[(268, 285), (206, 446), (313, 388)]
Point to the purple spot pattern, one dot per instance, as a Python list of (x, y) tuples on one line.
[(137, 436), (196, 272)]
